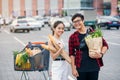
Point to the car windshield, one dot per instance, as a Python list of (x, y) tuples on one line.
[(30, 20), (110, 18), (24, 21), (39, 19)]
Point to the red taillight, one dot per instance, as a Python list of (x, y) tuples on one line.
[(17, 25), (28, 25), (109, 22)]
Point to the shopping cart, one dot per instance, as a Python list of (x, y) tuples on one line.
[(38, 62)]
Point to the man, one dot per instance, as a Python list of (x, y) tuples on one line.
[(83, 66)]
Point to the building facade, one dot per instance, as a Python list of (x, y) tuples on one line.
[(13, 8), (30, 7)]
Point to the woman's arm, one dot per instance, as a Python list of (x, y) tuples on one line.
[(73, 62), (56, 54)]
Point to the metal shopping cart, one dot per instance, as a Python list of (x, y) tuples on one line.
[(37, 62)]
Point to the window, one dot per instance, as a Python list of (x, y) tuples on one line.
[(86, 3)]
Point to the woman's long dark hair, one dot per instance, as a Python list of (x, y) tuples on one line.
[(55, 25)]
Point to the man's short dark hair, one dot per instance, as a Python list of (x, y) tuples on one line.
[(77, 15)]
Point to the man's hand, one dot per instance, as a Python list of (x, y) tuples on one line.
[(95, 55)]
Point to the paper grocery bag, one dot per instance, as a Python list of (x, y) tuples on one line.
[(94, 45)]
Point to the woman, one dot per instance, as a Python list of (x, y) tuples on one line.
[(83, 66), (58, 64)]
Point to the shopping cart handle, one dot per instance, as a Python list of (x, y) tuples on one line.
[(38, 42), (31, 46)]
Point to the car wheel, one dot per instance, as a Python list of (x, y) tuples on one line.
[(39, 28), (117, 27), (11, 30), (107, 27), (49, 25), (28, 30), (68, 29), (24, 30), (42, 25)]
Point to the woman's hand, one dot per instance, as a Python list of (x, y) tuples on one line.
[(60, 45), (75, 73)]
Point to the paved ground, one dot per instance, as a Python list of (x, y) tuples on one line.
[(110, 70)]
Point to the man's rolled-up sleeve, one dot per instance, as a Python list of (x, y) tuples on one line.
[(71, 46)]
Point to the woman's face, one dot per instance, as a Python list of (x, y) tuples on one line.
[(59, 29), (78, 23)]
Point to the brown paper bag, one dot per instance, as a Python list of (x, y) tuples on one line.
[(94, 45)]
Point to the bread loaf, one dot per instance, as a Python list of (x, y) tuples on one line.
[(64, 53), (50, 48)]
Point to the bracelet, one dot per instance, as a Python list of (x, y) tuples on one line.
[(101, 54)]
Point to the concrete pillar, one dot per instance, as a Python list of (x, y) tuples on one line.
[(22, 7), (47, 7), (10, 6), (0, 7), (34, 7), (114, 7), (98, 5), (60, 6)]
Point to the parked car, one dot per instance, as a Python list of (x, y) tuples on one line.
[(19, 24), (1, 21), (108, 22), (21, 17), (8, 21), (43, 20), (67, 23), (34, 24), (118, 17), (24, 24)]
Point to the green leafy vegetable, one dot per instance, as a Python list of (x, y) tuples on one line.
[(21, 57), (95, 34)]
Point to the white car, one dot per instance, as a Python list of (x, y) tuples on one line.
[(34, 24), (1, 21), (65, 21), (19, 24), (24, 24), (39, 19), (108, 22)]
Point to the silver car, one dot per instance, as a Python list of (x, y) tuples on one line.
[(19, 24), (34, 24), (24, 24), (66, 23)]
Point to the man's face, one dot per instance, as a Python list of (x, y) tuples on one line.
[(78, 23)]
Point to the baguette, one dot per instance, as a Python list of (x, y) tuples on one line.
[(53, 41), (29, 51), (64, 53), (50, 48)]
